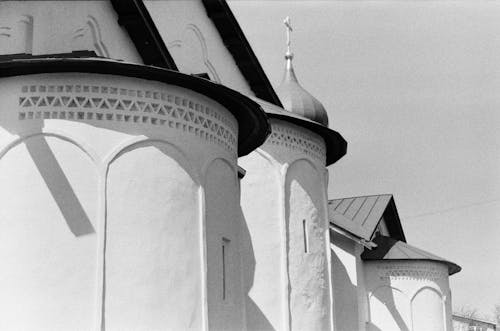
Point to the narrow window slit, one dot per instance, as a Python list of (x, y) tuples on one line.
[(225, 247), (304, 233)]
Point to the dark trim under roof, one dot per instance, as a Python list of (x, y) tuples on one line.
[(390, 249), (252, 120), (237, 44), (134, 17), (336, 146)]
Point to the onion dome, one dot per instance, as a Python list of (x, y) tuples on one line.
[(294, 97)]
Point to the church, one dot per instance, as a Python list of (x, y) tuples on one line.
[(153, 179)]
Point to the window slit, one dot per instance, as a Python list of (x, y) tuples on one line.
[(304, 234)]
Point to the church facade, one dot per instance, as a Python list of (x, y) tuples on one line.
[(153, 179)]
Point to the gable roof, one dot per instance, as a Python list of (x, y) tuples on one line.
[(361, 215), (235, 41), (392, 249), (135, 18)]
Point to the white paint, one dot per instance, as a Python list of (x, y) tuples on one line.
[(107, 217), (344, 282), (284, 185), (194, 42), (47, 239), (43, 27), (408, 295)]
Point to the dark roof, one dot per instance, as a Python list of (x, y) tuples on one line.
[(336, 146), (235, 41), (296, 99), (392, 249), (135, 18), (361, 215), (252, 120)]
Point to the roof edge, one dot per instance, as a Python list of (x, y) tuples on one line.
[(238, 46), (254, 127), (385, 244), (134, 17)]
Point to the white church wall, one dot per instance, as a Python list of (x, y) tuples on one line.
[(262, 242), (194, 42), (408, 295), (296, 229), (152, 244), (345, 283), (43, 27), (48, 240), (307, 256), (116, 201), (224, 278)]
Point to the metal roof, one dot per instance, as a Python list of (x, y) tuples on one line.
[(392, 249), (235, 41), (135, 18), (336, 146), (361, 215)]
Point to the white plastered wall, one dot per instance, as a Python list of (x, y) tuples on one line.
[(284, 205), (43, 27), (194, 42), (408, 295), (348, 285), (105, 208)]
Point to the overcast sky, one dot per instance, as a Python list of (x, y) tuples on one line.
[(414, 87)]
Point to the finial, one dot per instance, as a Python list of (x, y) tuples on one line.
[(288, 26)]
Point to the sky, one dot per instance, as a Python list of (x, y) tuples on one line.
[(414, 88)]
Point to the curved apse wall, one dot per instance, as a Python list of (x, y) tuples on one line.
[(408, 295), (152, 269), (222, 224), (48, 241), (306, 248)]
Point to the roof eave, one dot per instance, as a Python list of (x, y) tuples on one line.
[(253, 122)]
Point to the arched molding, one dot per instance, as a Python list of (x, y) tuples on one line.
[(267, 156), (318, 171), (175, 152), (199, 35), (229, 163), (53, 133), (427, 287), (91, 27), (442, 297)]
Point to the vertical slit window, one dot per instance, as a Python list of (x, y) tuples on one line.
[(304, 233), (225, 248)]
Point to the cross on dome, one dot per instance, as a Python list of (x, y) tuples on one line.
[(294, 97), (288, 26)]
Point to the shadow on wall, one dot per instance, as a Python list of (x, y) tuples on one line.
[(345, 294), (53, 175), (256, 320), (385, 294)]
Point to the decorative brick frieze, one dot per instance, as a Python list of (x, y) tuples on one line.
[(111, 103), (298, 141), (422, 272)]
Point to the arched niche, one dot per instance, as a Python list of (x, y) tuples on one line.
[(152, 253), (48, 241), (222, 226), (306, 247), (389, 309), (427, 308), (262, 204)]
